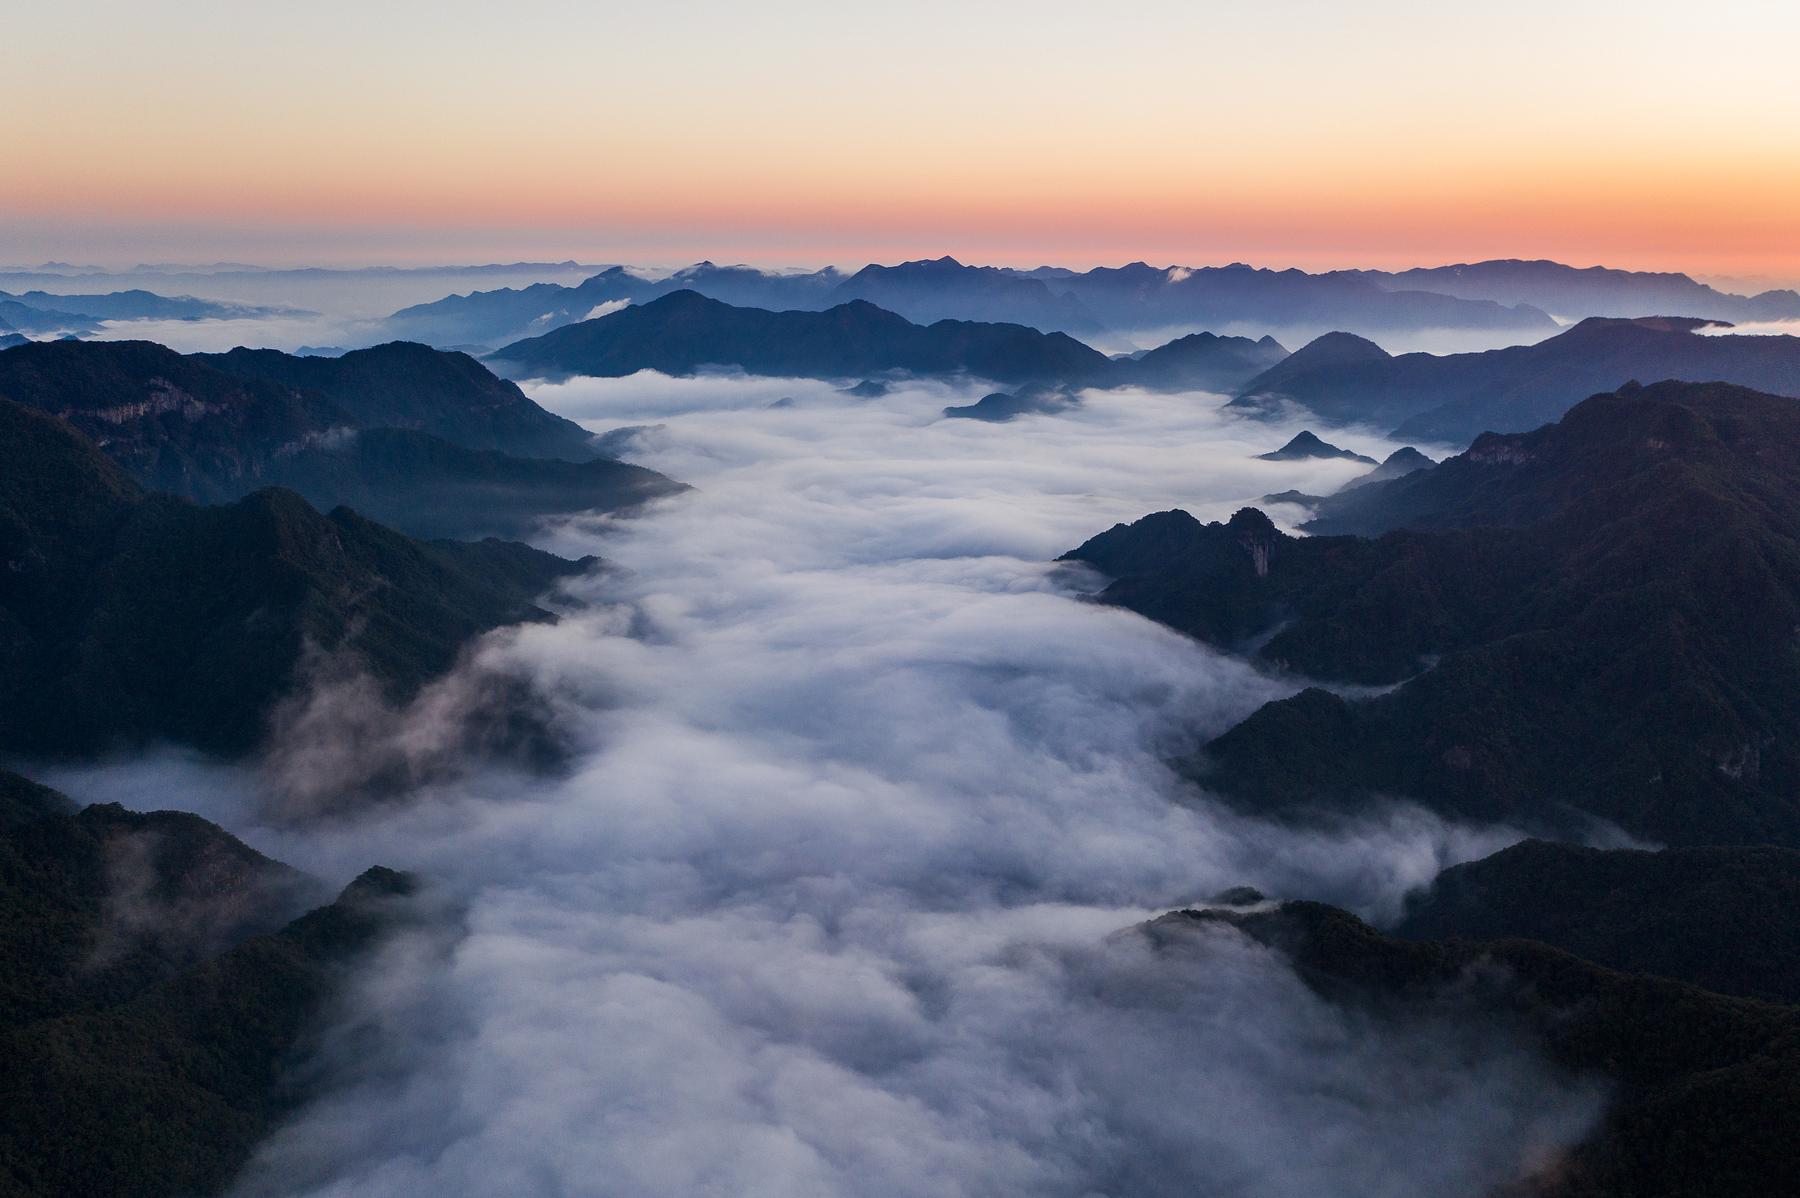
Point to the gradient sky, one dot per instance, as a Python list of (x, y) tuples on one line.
[(1293, 132)]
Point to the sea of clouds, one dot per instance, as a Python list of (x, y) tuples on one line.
[(834, 897)]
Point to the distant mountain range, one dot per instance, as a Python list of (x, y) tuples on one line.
[(429, 441), (23, 321), (1574, 293), (129, 618), (42, 313), (1340, 377), (1592, 619), (160, 979), (1134, 298), (1456, 397), (684, 332)]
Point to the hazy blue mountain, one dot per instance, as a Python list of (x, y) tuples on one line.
[(20, 318), (685, 332), (748, 287), (492, 318), (1001, 406), (1325, 356), (1305, 445), (1141, 296), (489, 318), (1200, 362), (135, 304), (1402, 462), (945, 289), (1456, 397), (1137, 297), (1575, 293)]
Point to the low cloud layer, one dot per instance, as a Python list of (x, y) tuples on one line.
[(864, 793)]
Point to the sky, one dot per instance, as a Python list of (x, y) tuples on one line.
[(799, 132)]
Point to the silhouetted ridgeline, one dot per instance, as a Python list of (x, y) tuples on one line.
[(684, 331), (1050, 299), (1596, 617), (1574, 293), (1456, 397), (431, 442)]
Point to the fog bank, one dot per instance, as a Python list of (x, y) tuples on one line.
[(864, 793)]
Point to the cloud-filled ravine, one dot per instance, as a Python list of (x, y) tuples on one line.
[(833, 897)]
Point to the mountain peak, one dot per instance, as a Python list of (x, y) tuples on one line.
[(1339, 348), (1307, 445)]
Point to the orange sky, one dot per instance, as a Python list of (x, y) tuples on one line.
[(1301, 132)]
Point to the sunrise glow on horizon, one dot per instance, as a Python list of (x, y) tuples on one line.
[(802, 133)]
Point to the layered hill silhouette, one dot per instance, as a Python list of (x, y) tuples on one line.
[(1700, 1087), (1456, 397), (1575, 293), (431, 442), (1141, 296), (1402, 462), (1199, 362), (1593, 619), (1306, 446), (684, 332), (20, 319), (1136, 297), (133, 304), (159, 985), (128, 617), (927, 291)]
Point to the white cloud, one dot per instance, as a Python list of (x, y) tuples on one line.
[(863, 789), (607, 308)]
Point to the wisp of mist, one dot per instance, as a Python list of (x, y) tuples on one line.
[(835, 897)]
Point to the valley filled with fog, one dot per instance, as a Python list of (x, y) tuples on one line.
[(833, 892)]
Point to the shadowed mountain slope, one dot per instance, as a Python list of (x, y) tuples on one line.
[(684, 332), (127, 617), (1575, 293), (1601, 621), (1727, 919), (367, 430), (401, 385), (1456, 397), (160, 989), (1702, 1087)]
